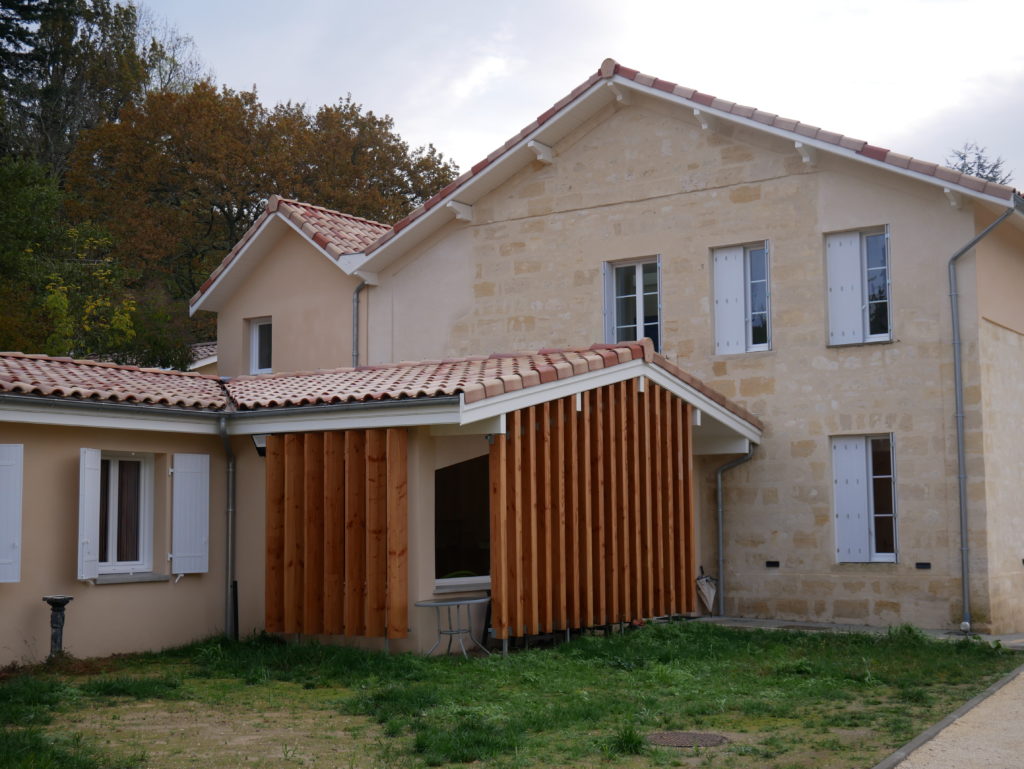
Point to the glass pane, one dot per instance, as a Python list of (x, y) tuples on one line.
[(625, 311), (625, 280), (883, 496), (757, 260), (104, 508), (878, 318), (650, 277), (263, 345), (877, 285), (625, 334), (129, 475), (759, 329), (651, 308), (758, 297), (881, 459), (652, 332), (875, 247), (885, 535)]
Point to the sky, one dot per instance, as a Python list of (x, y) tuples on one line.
[(917, 76)]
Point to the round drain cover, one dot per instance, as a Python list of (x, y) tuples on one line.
[(686, 739)]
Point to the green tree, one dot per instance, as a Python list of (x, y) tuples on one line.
[(973, 159)]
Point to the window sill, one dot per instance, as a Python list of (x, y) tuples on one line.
[(121, 579), (461, 584), (865, 343)]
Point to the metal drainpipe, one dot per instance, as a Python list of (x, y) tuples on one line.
[(721, 523), (230, 596), (958, 383), (355, 322)]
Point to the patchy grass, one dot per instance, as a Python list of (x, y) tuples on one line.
[(784, 699)]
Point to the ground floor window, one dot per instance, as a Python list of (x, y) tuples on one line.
[(864, 498), (462, 521)]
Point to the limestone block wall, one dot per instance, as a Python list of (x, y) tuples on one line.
[(648, 182)]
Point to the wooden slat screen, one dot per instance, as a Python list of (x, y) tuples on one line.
[(591, 511), (337, 533)]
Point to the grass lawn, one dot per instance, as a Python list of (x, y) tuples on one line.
[(783, 699)]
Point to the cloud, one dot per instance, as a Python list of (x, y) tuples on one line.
[(479, 77)]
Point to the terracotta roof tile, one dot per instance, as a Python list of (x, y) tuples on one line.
[(335, 232), (89, 380)]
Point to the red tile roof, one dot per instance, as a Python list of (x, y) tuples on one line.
[(477, 378), (610, 68), (94, 381), (333, 231)]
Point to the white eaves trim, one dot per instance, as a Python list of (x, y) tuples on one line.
[(806, 141), (549, 391), (202, 362), (113, 416), (361, 418)]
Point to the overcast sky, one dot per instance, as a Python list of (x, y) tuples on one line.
[(916, 76)]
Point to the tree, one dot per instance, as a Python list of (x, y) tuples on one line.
[(972, 159)]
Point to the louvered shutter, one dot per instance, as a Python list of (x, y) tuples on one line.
[(730, 309), (11, 480), (845, 289), (190, 537), (850, 499), (89, 513)]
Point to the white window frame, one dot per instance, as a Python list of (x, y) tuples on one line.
[(145, 561), (611, 325), (255, 324), (853, 499), (733, 298), (844, 328)]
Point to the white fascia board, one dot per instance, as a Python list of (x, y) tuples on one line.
[(315, 419), (483, 182), (833, 149), (734, 445), (239, 257), (549, 391), (349, 263), (202, 362), (124, 418)]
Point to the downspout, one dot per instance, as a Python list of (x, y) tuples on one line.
[(958, 384), (720, 503), (230, 587), (355, 323)]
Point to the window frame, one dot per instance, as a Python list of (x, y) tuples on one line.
[(611, 297), (720, 288), (868, 528), (144, 563), (255, 324), (834, 279)]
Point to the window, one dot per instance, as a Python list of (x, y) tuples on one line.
[(261, 344), (742, 296), (864, 498), (858, 287), (462, 524), (116, 513), (11, 463), (633, 302)]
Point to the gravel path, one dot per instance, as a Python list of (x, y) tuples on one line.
[(989, 735)]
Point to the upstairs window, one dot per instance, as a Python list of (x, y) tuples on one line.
[(742, 297), (864, 498), (633, 302), (859, 307), (261, 346)]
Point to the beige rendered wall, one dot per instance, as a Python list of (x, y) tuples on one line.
[(648, 181), (104, 619), (309, 299)]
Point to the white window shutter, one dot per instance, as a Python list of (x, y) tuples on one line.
[(11, 481), (850, 499), (730, 304), (845, 289), (89, 513), (190, 534)]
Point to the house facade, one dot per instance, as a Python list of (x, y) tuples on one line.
[(800, 272)]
